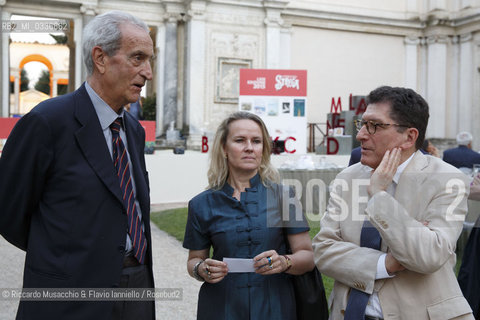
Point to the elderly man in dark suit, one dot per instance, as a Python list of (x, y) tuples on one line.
[(462, 156), (74, 188)]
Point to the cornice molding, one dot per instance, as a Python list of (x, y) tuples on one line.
[(441, 39), (89, 9), (409, 40), (466, 37)]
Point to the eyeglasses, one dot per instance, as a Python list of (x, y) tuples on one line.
[(372, 125)]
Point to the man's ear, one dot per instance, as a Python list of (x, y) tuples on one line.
[(99, 58), (411, 136)]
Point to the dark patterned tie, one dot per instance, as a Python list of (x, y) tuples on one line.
[(358, 300), (122, 166)]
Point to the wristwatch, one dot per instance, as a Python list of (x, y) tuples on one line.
[(289, 262), (195, 271)]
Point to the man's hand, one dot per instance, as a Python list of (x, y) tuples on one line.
[(392, 265), (383, 175), (475, 189)]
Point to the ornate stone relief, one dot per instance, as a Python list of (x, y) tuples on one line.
[(230, 51)]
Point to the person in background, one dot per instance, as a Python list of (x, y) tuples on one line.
[(469, 272), (240, 216), (74, 188), (389, 247), (355, 156), (462, 157), (429, 148), (135, 109)]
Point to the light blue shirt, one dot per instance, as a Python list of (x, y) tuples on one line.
[(107, 116)]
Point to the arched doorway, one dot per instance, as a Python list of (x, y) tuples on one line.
[(42, 59)]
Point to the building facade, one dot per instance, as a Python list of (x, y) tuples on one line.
[(346, 46)]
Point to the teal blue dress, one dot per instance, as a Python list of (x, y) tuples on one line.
[(243, 229)]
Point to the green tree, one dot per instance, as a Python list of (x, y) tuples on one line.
[(24, 80), (60, 39), (62, 89), (149, 107), (43, 83)]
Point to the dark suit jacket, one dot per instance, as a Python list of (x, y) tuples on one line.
[(461, 156), (355, 156), (61, 202), (469, 273)]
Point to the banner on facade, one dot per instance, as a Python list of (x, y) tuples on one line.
[(279, 97)]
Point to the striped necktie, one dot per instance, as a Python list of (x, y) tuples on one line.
[(358, 300), (122, 166)]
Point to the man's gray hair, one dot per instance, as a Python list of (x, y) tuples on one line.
[(104, 31), (464, 138)]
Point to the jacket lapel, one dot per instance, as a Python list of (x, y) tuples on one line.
[(411, 182), (92, 142)]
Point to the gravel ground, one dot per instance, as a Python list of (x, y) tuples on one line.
[(170, 268)]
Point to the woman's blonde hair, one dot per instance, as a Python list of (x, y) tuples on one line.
[(218, 171)]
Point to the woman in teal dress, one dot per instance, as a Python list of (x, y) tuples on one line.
[(240, 216)]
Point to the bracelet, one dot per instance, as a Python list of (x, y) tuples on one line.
[(289, 262), (195, 271)]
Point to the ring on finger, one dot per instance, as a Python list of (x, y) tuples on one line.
[(269, 259)]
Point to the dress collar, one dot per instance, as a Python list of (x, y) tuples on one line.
[(228, 189)]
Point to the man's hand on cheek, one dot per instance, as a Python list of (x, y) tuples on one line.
[(383, 175)]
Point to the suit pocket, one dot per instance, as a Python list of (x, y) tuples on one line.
[(34, 278), (448, 309)]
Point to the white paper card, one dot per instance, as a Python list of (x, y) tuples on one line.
[(239, 265)]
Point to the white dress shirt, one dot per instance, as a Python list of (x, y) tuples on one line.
[(373, 307)]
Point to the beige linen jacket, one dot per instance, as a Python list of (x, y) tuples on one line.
[(429, 190)]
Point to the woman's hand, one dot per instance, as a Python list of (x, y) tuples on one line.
[(269, 262), (213, 271)]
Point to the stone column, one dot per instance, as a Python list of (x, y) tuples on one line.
[(170, 72), (54, 87), (273, 24), (285, 47), (411, 62), (465, 84), (80, 72), (160, 65), (437, 85), (195, 98), (412, 6), (72, 55), (437, 5), (16, 91), (451, 125), (4, 66), (88, 11), (422, 68)]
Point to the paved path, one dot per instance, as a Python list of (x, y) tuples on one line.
[(170, 268)]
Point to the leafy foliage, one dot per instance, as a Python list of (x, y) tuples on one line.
[(60, 39), (149, 107), (43, 83), (24, 80)]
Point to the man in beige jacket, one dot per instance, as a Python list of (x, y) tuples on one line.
[(389, 234)]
